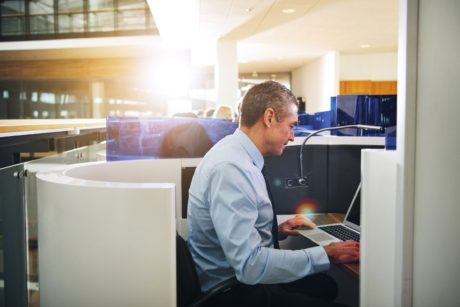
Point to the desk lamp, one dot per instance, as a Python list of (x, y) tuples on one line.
[(301, 181)]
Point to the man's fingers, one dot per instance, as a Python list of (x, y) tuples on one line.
[(301, 220), (341, 252)]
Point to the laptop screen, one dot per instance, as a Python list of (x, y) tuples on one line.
[(354, 212)]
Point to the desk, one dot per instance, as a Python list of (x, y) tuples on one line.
[(24, 140), (21, 127), (299, 242)]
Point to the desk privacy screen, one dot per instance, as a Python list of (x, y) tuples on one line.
[(130, 138)]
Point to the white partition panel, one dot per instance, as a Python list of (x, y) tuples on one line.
[(107, 235), (379, 279)]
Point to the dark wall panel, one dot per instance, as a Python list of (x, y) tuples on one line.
[(333, 173), (303, 199)]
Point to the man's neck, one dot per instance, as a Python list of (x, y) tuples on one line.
[(255, 134)]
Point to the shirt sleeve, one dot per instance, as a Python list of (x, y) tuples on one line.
[(234, 212)]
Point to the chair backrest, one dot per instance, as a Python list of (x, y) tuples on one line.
[(188, 284)]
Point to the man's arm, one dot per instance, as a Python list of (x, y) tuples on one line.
[(339, 252), (235, 200)]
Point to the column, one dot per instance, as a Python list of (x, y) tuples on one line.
[(226, 73)]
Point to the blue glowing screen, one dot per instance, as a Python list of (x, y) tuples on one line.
[(131, 138)]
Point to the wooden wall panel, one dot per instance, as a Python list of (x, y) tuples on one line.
[(355, 87), (367, 87), (73, 69), (384, 88)]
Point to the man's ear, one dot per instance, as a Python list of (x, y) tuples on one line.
[(269, 116)]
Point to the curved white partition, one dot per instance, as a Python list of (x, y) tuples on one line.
[(106, 235)]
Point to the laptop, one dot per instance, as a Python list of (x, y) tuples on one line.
[(350, 229)]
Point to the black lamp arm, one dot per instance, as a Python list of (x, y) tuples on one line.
[(302, 180)]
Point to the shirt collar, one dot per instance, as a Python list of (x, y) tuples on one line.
[(250, 147)]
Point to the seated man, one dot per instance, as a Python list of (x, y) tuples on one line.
[(230, 216)]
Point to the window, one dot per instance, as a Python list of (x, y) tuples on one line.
[(51, 19)]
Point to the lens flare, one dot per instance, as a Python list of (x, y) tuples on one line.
[(306, 206), (277, 182)]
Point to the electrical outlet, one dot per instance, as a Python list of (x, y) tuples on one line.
[(296, 182)]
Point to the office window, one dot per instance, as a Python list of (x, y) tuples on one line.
[(12, 7), (42, 24), (69, 6), (96, 5), (37, 19), (72, 23), (131, 20), (12, 25), (12, 15), (41, 7), (101, 22), (131, 4)]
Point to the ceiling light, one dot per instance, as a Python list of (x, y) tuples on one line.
[(365, 46), (249, 9), (288, 11)]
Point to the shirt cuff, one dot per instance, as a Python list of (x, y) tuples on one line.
[(319, 258)]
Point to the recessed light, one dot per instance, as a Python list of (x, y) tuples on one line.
[(288, 11), (365, 46), (249, 9)]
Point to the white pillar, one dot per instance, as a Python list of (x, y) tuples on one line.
[(226, 73)]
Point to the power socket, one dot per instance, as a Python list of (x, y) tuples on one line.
[(296, 182)]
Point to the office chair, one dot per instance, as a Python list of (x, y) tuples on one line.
[(189, 292)]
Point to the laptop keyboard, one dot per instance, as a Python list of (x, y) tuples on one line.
[(341, 232)]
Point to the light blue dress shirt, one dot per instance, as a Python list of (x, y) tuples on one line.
[(230, 219)]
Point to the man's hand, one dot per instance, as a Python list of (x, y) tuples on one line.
[(290, 226), (342, 252)]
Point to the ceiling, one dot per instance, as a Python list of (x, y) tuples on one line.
[(267, 39)]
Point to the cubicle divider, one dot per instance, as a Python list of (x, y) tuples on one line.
[(107, 234), (384, 279), (18, 223), (130, 138), (20, 261)]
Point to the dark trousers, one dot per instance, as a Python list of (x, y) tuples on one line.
[(316, 290)]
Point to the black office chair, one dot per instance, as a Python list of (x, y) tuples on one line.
[(189, 293)]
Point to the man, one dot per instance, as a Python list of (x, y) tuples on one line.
[(230, 215)]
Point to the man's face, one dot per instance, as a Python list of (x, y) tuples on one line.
[(281, 131)]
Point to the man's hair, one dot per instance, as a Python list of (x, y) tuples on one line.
[(268, 94)]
